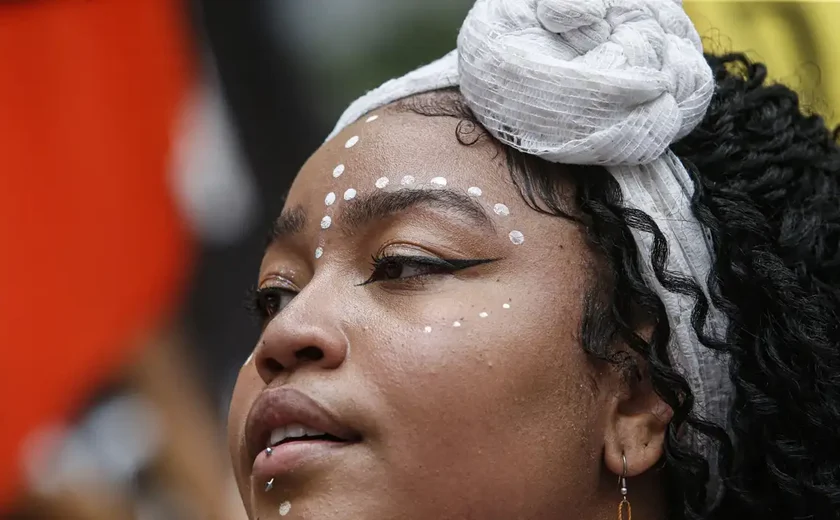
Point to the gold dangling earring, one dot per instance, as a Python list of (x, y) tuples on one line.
[(622, 481)]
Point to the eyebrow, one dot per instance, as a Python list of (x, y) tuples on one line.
[(290, 222), (379, 205)]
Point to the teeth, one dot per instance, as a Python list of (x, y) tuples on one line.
[(277, 436), (292, 431), (295, 430)]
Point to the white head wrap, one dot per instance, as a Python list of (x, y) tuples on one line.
[(609, 82)]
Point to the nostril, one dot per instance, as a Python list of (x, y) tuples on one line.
[(309, 354), (273, 365)]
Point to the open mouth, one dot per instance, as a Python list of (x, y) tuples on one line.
[(283, 420), (298, 432)]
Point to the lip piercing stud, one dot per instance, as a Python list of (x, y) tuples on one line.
[(268, 451), (269, 485)]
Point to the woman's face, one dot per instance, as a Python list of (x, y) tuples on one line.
[(423, 316)]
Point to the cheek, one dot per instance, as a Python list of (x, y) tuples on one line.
[(508, 388), (248, 387), (499, 362)]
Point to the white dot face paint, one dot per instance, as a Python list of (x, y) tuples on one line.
[(350, 194), (338, 170), (505, 306), (326, 222), (456, 324), (352, 142), (382, 182), (516, 237), (501, 210), (439, 182), (408, 180), (427, 329), (329, 199), (319, 252), (474, 192), (482, 314), (284, 508), (371, 119)]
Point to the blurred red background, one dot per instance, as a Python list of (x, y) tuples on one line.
[(94, 251)]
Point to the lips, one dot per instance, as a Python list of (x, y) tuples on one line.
[(288, 410)]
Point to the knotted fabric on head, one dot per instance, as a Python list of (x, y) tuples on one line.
[(584, 82), (607, 82)]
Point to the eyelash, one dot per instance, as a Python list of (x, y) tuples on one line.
[(264, 303), (429, 265)]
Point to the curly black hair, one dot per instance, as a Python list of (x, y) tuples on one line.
[(767, 188)]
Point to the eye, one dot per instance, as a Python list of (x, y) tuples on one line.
[(267, 301), (395, 267)]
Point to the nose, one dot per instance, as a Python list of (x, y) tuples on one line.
[(301, 336)]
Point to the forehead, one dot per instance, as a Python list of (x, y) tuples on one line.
[(396, 148)]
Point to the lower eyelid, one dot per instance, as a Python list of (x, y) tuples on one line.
[(418, 282), (426, 274), (426, 269)]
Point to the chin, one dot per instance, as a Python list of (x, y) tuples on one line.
[(328, 504)]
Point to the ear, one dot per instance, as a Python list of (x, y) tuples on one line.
[(636, 425)]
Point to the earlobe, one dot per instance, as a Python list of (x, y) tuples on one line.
[(636, 429)]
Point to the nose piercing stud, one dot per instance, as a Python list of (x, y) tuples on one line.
[(269, 485), (268, 451)]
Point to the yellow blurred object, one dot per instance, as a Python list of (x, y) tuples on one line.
[(796, 40)]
